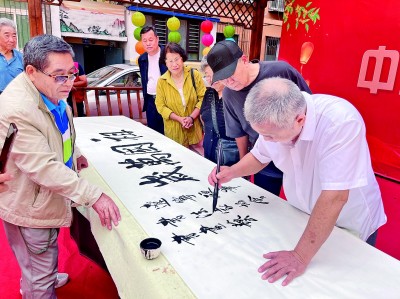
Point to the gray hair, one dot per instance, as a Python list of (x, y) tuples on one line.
[(204, 63), (38, 49), (8, 23), (276, 101)]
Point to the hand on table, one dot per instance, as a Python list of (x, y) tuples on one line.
[(81, 163), (107, 210), (282, 263)]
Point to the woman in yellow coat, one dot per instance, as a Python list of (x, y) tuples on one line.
[(179, 98)]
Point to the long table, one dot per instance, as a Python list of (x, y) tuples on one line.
[(162, 191)]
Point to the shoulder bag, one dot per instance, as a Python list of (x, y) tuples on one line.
[(230, 151)]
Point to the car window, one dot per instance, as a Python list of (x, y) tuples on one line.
[(131, 79), (97, 77)]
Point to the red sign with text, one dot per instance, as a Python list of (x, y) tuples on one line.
[(351, 49)]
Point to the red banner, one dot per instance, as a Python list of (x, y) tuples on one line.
[(351, 49)]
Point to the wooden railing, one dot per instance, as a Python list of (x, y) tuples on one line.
[(107, 92)]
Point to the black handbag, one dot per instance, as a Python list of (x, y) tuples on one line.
[(230, 151)]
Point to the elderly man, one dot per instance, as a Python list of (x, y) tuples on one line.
[(151, 68), (319, 143), (43, 162), (10, 58), (239, 75)]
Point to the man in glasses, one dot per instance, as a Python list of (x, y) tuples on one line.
[(44, 162), (239, 75)]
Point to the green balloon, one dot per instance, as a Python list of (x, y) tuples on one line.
[(136, 34), (229, 31), (174, 37)]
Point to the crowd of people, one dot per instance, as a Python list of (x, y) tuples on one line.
[(315, 145)]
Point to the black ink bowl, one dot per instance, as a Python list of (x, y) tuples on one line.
[(150, 248)]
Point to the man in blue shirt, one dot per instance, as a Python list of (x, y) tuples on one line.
[(10, 59)]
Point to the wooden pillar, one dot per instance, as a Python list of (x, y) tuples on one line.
[(257, 29), (35, 17)]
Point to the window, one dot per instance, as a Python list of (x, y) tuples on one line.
[(190, 35), (271, 48), (193, 40), (17, 12), (276, 6), (131, 79), (221, 36), (162, 31)]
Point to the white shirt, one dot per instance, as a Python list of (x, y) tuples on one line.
[(153, 73), (331, 153), (180, 90)]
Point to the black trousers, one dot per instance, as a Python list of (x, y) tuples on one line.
[(154, 119)]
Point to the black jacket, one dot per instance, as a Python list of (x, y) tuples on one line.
[(143, 62)]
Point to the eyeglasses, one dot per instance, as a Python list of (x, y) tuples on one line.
[(61, 79), (176, 60)]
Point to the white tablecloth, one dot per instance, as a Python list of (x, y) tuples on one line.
[(162, 191)]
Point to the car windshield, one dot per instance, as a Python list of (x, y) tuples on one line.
[(97, 77)]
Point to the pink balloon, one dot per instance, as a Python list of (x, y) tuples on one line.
[(207, 40), (206, 26)]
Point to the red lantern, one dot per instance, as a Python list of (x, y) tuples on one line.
[(207, 40), (206, 26)]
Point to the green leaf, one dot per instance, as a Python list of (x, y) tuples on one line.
[(297, 24), (308, 4), (306, 25), (287, 27)]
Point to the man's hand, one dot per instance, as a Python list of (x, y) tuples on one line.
[(224, 176), (81, 163), (282, 263), (4, 177), (107, 210)]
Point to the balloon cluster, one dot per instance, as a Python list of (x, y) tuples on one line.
[(138, 19), (173, 25), (207, 39), (229, 32)]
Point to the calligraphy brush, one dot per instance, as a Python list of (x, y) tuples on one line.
[(216, 189)]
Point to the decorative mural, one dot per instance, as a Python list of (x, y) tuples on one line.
[(94, 18)]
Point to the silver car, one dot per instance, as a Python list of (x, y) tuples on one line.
[(116, 75)]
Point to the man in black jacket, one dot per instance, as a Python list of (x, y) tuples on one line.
[(151, 68)]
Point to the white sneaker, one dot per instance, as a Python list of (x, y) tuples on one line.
[(62, 280)]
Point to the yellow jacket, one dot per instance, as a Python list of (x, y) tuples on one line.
[(168, 100)]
